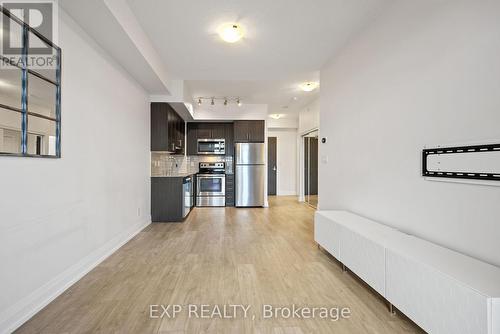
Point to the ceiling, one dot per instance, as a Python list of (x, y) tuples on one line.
[(117, 33), (286, 43), (283, 37), (281, 96)]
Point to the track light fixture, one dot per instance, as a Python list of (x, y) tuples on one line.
[(213, 99)]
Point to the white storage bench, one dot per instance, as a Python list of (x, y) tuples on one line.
[(439, 289)]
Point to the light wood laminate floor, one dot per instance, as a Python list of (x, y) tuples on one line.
[(219, 256)]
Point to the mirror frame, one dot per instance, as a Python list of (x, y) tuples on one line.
[(24, 111)]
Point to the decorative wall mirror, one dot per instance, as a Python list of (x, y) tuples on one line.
[(30, 91)]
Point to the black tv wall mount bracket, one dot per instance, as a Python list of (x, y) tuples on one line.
[(490, 173)]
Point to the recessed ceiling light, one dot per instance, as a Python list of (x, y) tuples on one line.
[(309, 86), (231, 32), (238, 101), (276, 116), (295, 98), (213, 102)]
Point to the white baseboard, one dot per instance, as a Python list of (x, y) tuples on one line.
[(23, 310)]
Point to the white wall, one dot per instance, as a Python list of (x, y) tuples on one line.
[(59, 217), (426, 72), (309, 117), (286, 160), (287, 122)]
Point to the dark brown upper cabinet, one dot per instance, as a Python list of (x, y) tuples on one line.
[(203, 131), (249, 131), (167, 129), (159, 127), (206, 130), (192, 139), (210, 130)]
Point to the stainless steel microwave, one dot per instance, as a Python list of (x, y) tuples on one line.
[(212, 146)]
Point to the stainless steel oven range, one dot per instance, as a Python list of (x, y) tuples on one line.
[(211, 184)]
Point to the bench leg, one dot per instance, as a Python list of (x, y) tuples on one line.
[(392, 311)]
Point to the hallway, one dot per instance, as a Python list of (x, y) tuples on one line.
[(219, 256)]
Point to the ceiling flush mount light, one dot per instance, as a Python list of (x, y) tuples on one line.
[(309, 86), (276, 116), (231, 32)]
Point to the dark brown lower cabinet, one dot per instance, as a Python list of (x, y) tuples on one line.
[(229, 189), (229, 136), (167, 199)]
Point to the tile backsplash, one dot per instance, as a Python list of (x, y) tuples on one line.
[(164, 164)]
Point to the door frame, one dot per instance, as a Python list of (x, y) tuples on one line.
[(301, 162)]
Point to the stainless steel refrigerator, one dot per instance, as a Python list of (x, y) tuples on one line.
[(250, 174)]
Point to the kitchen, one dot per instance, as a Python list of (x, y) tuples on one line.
[(204, 163)]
